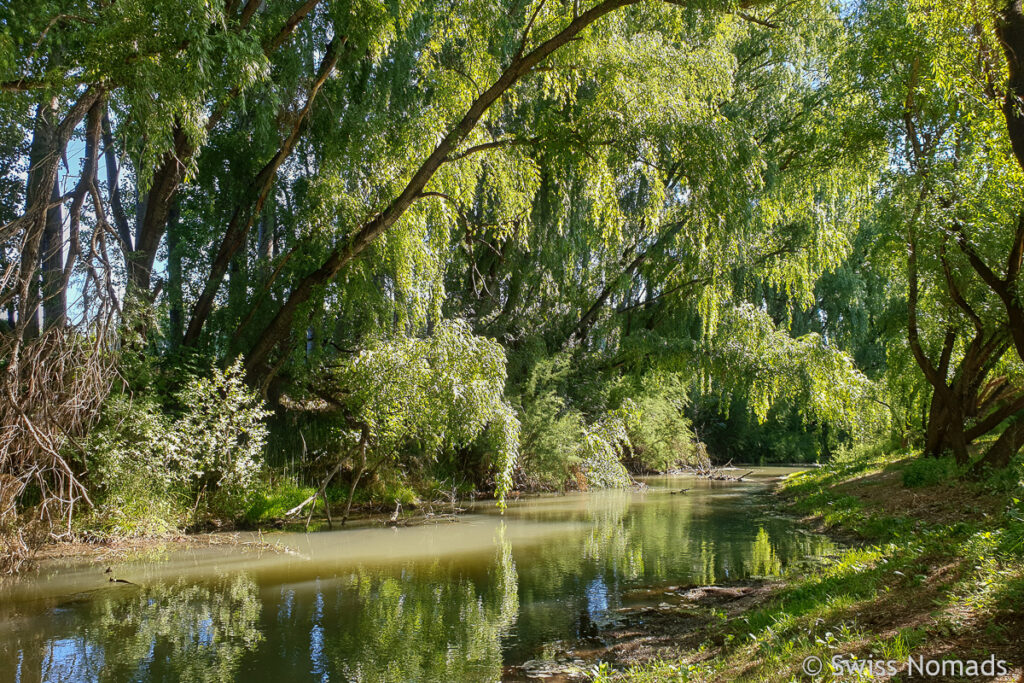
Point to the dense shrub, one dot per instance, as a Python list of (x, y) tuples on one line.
[(551, 429), (928, 472), (601, 449), (660, 434), (154, 474), (563, 445), (432, 394)]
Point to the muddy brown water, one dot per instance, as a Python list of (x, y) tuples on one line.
[(461, 601)]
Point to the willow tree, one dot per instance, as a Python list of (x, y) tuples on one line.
[(945, 90), (661, 213), (471, 84)]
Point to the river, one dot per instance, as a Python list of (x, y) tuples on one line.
[(464, 600)]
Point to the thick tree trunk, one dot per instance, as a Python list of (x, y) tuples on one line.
[(1011, 33), (55, 303), (936, 426), (945, 431), (175, 296), (42, 178), (1005, 447), (49, 141), (155, 209)]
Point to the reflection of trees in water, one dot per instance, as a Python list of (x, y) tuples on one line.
[(426, 624), (436, 621), (764, 561), (166, 631), (609, 538), (429, 623), (634, 541), (685, 540), (572, 582)]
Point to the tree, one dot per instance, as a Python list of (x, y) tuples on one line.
[(950, 186)]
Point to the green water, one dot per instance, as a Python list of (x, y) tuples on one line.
[(449, 602)]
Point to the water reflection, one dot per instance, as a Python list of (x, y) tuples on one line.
[(454, 603), (173, 631), (424, 624)]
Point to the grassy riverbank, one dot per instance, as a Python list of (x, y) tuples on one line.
[(934, 568)]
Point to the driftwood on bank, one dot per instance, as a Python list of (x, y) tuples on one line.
[(705, 469), (321, 491)]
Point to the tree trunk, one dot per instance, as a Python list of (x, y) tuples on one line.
[(1004, 449), (175, 297), (355, 480), (1010, 29), (945, 432), (42, 178), (55, 303), (256, 195)]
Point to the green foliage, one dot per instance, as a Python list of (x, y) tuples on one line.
[(551, 430), (272, 502), (603, 444), (140, 492), (753, 355), (929, 472), (441, 392), (565, 446), (155, 474), (660, 437), (221, 435), (680, 215)]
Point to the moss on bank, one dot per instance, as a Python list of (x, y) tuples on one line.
[(935, 569)]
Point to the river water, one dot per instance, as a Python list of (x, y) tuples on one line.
[(458, 601)]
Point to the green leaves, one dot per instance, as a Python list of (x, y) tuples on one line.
[(443, 391), (751, 355)]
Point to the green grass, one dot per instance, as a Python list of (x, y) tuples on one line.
[(892, 574), (929, 472), (276, 501)]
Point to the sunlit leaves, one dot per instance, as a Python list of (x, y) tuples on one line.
[(443, 391), (751, 355)]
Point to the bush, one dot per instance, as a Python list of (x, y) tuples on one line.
[(929, 472), (660, 435), (223, 435), (551, 430), (437, 394), (139, 492), (153, 475), (601, 449)]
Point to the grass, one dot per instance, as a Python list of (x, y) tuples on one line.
[(935, 569), (276, 501)]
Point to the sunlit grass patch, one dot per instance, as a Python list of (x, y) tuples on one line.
[(277, 500), (913, 583), (654, 671)]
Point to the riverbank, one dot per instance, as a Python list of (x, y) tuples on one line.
[(119, 549), (269, 517), (934, 569)]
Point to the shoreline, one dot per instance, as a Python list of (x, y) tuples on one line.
[(902, 586), (364, 515)]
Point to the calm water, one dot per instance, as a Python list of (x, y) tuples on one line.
[(447, 602)]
